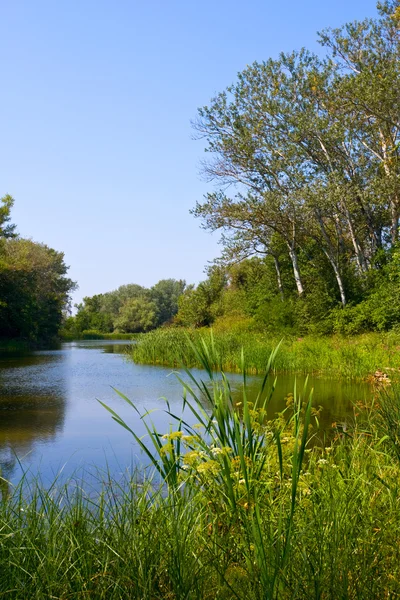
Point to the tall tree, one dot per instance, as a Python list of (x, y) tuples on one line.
[(34, 290), (7, 229), (312, 148)]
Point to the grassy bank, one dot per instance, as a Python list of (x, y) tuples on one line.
[(97, 335), (347, 357), (247, 510)]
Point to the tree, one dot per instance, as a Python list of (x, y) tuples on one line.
[(310, 147), (113, 301), (92, 315), (34, 290), (199, 306), (137, 315), (7, 230), (165, 294), (368, 54)]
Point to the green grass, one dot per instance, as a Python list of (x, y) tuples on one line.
[(20, 345), (238, 508), (97, 335), (354, 358)]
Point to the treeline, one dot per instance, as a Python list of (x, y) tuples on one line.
[(240, 297), (307, 154), (247, 296), (129, 309), (34, 288)]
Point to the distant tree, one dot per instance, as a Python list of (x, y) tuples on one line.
[(91, 315), (199, 306), (165, 294), (7, 230), (113, 301), (137, 315)]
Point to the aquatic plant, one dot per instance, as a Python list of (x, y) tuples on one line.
[(336, 356)]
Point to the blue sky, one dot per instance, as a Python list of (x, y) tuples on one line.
[(96, 101)]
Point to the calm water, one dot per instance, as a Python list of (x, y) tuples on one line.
[(50, 420)]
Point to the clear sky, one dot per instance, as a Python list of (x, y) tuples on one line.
[(96, 100)]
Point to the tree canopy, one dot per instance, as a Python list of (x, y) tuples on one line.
[(34, 287), (129, 309), (306, 152)]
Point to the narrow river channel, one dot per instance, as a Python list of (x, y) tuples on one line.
[(51, 422)]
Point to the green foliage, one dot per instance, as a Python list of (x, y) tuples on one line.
[(195, 308), (93, 334), (111, 302), (137, 314), (312, 148), (380, 310), (165, 294), (7, 230), (34, 290), (130, 308), (198, 307), (248, 291)]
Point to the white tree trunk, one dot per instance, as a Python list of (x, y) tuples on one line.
[(361, 262), (278, 276), (330, 255), (394, 213), (338, 276), (394, 201), (296, 269)]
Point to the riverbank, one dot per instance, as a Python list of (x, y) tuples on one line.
[(21, 345), (357, 357), (250, 509), (96, 335), (7, 345)]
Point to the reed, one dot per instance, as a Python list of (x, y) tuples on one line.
[(96, 335), (352, 358)]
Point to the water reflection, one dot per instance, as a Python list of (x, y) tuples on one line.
[(32, 404)]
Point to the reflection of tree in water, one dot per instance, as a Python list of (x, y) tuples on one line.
[(337, 398), (32, 407), (117, 349), (106, 347)]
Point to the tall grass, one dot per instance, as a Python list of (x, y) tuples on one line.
[(356, 357), (238, 507), (93, 334)]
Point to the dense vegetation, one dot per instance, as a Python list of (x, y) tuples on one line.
[(357, 358), (241, 506), (34, 289), (305, 154), (129, 309), (248, 508)]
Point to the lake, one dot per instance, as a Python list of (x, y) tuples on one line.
[(51, 422)]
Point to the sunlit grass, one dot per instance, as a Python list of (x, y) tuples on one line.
[(352, 358), (97, 335)]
